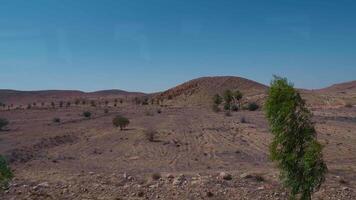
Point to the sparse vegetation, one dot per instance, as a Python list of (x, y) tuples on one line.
[(232, 100), (348, 105), (120, 121), (5, 173), (227, 106), (294, 146), (56, 120), (253, 106), (3, 123), (217, 99), (87, 114), (234, 108), (156, 176)]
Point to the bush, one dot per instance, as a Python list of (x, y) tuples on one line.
[(151, 135), (120, 121), (294, 146), (156, 176), (56, 120), (92, 103), (253, 106), (234, 108), (5, 173), (217, 99), (159, 111), (87, 114), (106, 111), (3, 123), (348, 105), (61, 104), (227, 106), (29, 106)]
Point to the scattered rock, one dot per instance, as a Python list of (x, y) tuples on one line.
[(225, 176)]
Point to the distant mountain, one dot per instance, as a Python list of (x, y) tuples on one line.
[(25, 97), (346, 87)]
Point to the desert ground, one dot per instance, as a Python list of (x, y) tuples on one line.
[(195, 153)]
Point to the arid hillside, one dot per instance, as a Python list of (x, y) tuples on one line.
[(200, 91), (28, 97)]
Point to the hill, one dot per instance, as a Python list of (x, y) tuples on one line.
[(200, 91), (25, 97)]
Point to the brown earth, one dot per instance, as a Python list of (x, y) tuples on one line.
[(192, 156)]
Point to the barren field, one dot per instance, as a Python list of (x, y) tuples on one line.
[(175, 146), (82, 158)]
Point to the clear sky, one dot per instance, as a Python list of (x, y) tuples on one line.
[(152, 45)]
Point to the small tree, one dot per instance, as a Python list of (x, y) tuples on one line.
[(120, 121), (5, 173), (228, 97), (294, 146), (237, 96), (3, 123), (217, 99), (87, 114)]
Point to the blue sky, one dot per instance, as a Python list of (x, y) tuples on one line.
[(152, 45)]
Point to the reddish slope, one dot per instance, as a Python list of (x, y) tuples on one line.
[(200, 91)]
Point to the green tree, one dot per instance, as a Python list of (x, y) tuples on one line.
[(294, 148), (217, 99), (228, 97), (5, 173), (120, 121), (237, 96), (87, 114)]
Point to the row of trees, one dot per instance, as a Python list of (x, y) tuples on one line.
[(232, 101)]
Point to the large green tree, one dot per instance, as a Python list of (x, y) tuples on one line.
[(294, 147)]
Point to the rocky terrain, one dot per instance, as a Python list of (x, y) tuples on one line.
[(195, 153)]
